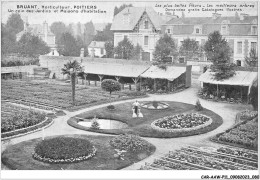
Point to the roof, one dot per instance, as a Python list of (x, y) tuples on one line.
[(241, 78), (114, 69), (209, 25), (210, 20), (171, 73), (134, 14), (97, 44)]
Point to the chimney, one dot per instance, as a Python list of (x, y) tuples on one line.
[(215, 15), (242, 16), (45, 31)]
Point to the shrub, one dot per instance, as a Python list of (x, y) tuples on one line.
[(111, 107), (130, 142), (94, 124), (155, 104), (63, 148), (110, 86), (198, 106), (136, 93)]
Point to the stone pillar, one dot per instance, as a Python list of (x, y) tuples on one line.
[(154, 85), (95, 83)]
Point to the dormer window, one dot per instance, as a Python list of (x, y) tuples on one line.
[(146, 24), (197, 29)]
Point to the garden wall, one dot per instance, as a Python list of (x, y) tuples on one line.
[(17, 69)]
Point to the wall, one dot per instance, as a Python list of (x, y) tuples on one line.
[(17, 69)]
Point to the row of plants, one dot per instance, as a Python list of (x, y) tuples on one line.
[(22, 119), (181, 121), (248, 115), (57, 95), (239, 153), (64, 150), (227, 159), (193, 158), (244, 134)]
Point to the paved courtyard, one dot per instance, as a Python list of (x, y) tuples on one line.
[(226, 111)]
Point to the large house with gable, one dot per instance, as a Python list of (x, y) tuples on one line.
[(240, 31), (141, 25)]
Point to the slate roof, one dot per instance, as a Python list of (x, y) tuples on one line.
[(236, 26), (135, 14)]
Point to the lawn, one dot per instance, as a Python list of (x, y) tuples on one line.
[(142, 126), (57, 94), (19, 156)]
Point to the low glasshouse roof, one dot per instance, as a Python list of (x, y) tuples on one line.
[(113, 69), (170, 73), (241, 78)]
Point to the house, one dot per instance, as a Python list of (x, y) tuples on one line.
[(43, 32), (141, 25), (97, 49), (240, 31)]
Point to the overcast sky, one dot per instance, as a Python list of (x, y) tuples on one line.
[(108, 7)]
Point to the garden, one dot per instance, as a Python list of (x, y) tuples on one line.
[(244, 134), (178, 120), (46, 94), (17, 120), (205, 158), (77, 152)]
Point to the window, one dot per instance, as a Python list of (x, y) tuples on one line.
[(146, 40), (102, 50), (125, 36), (254, 30), (239, 47), (181, 59), (253, 45), (169, 31), (197, 30), (224, 29), (238, 62), (146, 24)]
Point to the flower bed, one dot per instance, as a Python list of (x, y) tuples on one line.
[(248, 115), (181, 122), (64, 150), (155, 105), (244, 134), (12, 119), (130, 142), (238, 152)]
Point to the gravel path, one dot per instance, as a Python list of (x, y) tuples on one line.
[(226, 111)]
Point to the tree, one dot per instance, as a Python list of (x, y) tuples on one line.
[(32, 46), (105, 35), (109, 47), (165, 47), (15, 23), (218, 52), (124, 49), (252, 60), (190, 49), (8, 41), (118, 10), (69, 45), (110, 86), (73, 69), (136, 54), (89, 33), (58, 28), (254, 95)]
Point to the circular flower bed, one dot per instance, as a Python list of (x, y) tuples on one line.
[(64, 150), (155, 105), (181, 122)]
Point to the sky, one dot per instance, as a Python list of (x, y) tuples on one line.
[(106, 9)]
